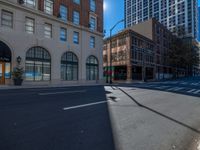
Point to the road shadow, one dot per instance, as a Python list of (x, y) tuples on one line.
[(42, 124), (161, 114)]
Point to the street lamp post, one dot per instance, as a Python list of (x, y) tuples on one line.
[(111, 50)]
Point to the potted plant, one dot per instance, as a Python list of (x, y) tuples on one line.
[(17, 75)]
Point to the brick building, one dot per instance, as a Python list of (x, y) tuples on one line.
[(162, 39), (145, 47), (58, 41), (132, 57)]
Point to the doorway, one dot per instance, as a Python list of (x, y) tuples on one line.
[(2, 73)]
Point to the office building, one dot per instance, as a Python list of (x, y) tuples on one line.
[(59, 42), (179, 16), (198, 34)]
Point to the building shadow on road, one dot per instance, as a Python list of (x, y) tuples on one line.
[(161, 114), (42, 124)]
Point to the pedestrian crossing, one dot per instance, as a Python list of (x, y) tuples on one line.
[(182, 83), (179, 88)]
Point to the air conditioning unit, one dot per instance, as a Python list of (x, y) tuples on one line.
[(21, 2)]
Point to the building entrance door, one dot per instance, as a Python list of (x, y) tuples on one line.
[(2, 73)]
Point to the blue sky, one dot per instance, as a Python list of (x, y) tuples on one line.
[(113, 12)]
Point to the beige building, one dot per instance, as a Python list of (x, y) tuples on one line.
[(161, 37), (55, 48)]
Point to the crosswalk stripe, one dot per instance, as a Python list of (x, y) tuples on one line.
[(197, 92), (177, 89), (171, 88), (191, 91), (194, 83), (162, 87), (184, 83)]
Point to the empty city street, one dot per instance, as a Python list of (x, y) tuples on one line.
[(138, 116), (46, 119)]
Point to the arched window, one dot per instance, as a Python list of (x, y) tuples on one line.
[(38, 64), (5, 62), (92, 68), (69, 66)]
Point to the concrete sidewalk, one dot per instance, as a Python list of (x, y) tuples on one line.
[(154, 120), (10, 87)]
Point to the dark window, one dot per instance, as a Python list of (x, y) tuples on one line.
[(76, 38), (69, 66), (92, 68), (38, 64), (63, 12)]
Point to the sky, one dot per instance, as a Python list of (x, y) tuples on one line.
[(113, 12)]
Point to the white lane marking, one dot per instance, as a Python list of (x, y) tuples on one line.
[(171, 89), (150, 85), (194, 83), (197, 92), (184, 83), (64, 92), (162, 87), (177, 89), (191, 91), (84, 105)]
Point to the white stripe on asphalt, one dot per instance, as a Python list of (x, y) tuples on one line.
[(194, 83), (197, 92), (162, 87), (184, 83), (64, 92), (177, 89), (191, 91), (84, 105), (171, 89)]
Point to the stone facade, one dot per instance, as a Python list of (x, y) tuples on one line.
[(20, 42)]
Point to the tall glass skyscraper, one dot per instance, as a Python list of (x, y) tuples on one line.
[(198, 35), (179, 16)]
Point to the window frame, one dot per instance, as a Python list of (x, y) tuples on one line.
[(65, 30), (78, 2), (93, 5), (65, 17), (26, 25), (65, 63), (3, 20), (77, 37), (28, 4), (38, 56), (51, 3), (93, 25), (50, 31), (76, 17), (92, 42)]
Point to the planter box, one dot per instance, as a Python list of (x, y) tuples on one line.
[(18, 81)]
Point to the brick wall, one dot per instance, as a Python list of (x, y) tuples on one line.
[(83, 9)]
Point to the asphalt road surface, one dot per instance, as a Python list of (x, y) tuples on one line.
[(73, 118), (138, 116)]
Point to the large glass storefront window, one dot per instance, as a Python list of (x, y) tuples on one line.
[(7, 71), (5, 62), (69, 66), (38, 65), (92, 68)]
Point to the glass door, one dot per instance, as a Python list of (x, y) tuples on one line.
[(2, 70)]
